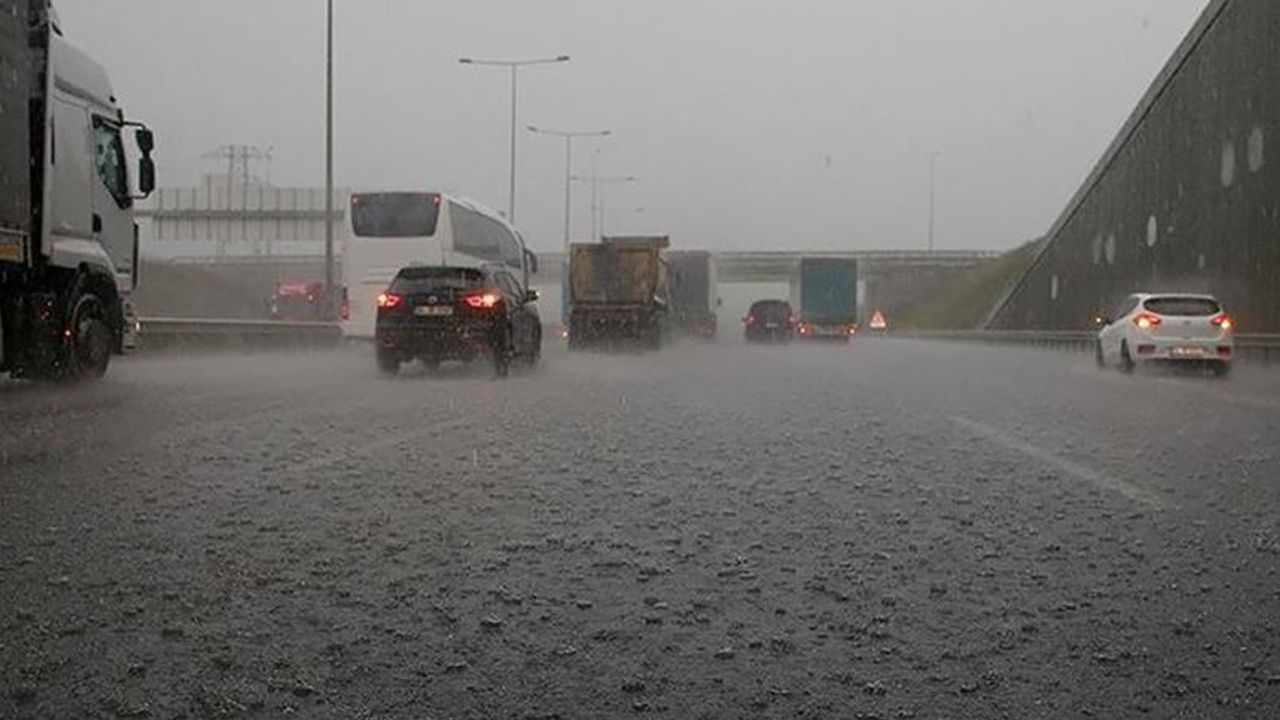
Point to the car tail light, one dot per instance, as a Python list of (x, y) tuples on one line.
[(749, 320), (852, 329), (482, 301), (1147, 321), (386, 301), (1146, 349), (1224, 322), (1224, 351)]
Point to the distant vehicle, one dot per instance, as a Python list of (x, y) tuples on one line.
[(694, 292), (771, 321), (438, 314), (299, 302), (878, 323), (68, 239), (825, 294), (1169, 329), (392, 230), (618, 293)]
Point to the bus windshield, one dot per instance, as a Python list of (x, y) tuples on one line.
[(395, 215)]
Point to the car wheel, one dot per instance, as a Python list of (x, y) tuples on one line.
[(1126, 360), (1098, 355), (388, 364), (502, 351)]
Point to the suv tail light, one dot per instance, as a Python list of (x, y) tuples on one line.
[(1147, 321), (1224, 322), (386, 301), (482, 301), (749, 320)]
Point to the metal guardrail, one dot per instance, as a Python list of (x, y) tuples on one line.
[(1256, 346), (192, 333)]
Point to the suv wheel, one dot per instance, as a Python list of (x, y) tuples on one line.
[(388, 364)]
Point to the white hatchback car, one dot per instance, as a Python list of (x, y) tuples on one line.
[(1168, 328)]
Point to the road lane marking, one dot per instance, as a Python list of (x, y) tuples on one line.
[(1074, 469)]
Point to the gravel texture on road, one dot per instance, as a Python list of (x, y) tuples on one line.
[(894, 529)]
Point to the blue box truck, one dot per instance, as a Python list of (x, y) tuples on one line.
[(824, 293)]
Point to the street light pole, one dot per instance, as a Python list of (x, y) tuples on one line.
[(933, 178), (329, 275), (514, 66), (601, 182), (568, 170)]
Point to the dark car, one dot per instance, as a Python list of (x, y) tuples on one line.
[(770, 321), (438, 314)]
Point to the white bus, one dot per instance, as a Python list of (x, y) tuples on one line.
[(392, 230)]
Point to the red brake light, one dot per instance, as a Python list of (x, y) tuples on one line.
[(387, 301), (1224, 322), (483, 301), (1146, 321), (749, 320)]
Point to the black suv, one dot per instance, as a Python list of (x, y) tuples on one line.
[(435, 314), (770, 321)]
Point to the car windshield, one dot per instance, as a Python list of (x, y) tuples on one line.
[(652, 359), (1183, 306)]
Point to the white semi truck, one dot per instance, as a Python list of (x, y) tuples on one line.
[(68, 240)]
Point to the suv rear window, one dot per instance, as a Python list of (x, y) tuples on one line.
[(771, 309), (1183, 307), (418, 280)]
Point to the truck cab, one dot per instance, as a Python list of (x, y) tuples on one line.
[(69, 253)]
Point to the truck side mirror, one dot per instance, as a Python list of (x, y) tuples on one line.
[(146, 176), (531, 296), (146, 140)]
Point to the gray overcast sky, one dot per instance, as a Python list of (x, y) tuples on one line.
[(728, 110)]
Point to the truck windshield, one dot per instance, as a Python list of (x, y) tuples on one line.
[(395, 215)]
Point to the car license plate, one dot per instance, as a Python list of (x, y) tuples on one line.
[(1192, 352), (433, 311)]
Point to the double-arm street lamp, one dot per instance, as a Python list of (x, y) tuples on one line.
[(568, 137), (514, 66), (598, 184)]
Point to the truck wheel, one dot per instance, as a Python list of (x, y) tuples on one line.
[(88, 350), (655, 338), (535, 352)]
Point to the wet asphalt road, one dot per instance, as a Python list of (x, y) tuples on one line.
[(892, 530)]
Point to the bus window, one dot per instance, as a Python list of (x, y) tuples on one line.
[(395, 215)]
